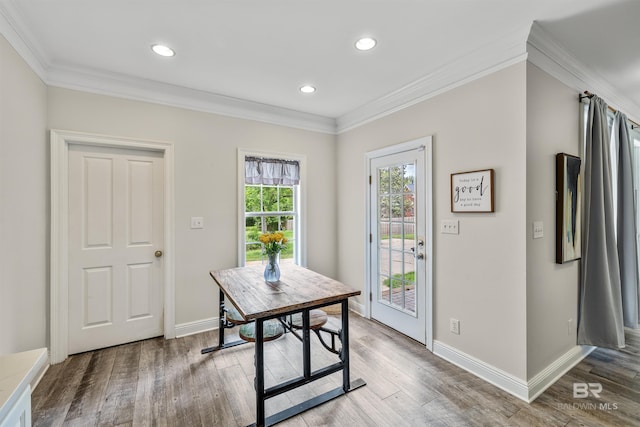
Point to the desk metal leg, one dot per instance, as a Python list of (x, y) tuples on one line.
[(263, 394), (222, 321), (306, 345), (259, 385), (344, 354)]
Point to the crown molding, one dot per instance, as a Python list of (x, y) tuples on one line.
[(492, 57), (21, 38), (540, 49), (18, 36), (545, 53), (124, 86), (499, 54)]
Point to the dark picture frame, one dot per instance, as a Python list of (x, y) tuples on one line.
[(472, 191), (568, 208)]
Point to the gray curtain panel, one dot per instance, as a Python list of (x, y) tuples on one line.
[(626, 224), (600, 317)]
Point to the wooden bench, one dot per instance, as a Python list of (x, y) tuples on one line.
[(233, 315), (272, 329), (317, 319)]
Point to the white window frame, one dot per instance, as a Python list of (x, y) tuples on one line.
[(300, 249)]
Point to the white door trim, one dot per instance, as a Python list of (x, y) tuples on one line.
[(426, 143), (59, 259)]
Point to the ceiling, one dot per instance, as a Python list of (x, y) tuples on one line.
[(248, 58)]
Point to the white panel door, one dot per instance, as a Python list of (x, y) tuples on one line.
[(115, 228), (398, 230)]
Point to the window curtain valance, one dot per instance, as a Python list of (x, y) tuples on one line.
[(258, 170)]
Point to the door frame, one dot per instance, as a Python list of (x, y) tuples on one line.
[(59, 251), (424, 143)]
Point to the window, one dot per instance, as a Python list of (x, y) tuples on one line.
[(271, 201)]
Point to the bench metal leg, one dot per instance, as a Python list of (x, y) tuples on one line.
[(221, 327)]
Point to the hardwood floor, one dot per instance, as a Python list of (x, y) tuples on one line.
[(158, 382)]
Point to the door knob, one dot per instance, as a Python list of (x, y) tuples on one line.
[(420, 255), (158, 254)]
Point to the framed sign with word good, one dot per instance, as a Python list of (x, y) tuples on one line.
[(472, 191)]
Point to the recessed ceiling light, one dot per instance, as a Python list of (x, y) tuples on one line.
[(366, 43), (307, 89), (163, 50)]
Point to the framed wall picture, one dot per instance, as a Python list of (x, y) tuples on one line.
[(568, 211), (472, 191)]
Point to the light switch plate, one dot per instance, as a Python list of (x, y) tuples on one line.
[(538, 230), (449, 226)]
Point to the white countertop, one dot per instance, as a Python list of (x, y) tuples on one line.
[(16, 372)]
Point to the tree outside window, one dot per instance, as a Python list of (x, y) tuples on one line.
[(269, 208)]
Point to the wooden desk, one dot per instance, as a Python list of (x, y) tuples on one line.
[(299, 290)]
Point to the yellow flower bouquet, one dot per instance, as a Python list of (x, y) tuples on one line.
[(273, 242)]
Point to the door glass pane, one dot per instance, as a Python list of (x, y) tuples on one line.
[(409, 177), (384, 208), (383, 181), (384, 235), (384, 295), (408, 206), (396, 207), (396, 236), (409, 283), (397, 179)]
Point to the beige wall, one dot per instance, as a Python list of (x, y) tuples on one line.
[(553, 123), (24, 204), (206, 181), (513, 301), (479, 275)]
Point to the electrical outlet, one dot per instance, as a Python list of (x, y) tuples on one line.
[(449, 226), (454, 326), (197, 222)]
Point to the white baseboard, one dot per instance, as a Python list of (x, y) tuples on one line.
[(545, 378), (190, 328), (356, 307), (489, 373), (524, 390), (41, 368)]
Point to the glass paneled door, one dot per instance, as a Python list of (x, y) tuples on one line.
[(398, 252)]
